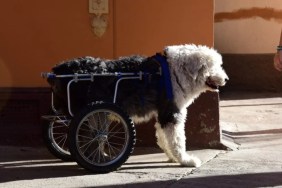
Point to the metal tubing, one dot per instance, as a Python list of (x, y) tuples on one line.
[(52, 75), (90, 77), (68, 92), (117, 83), (52, 104)]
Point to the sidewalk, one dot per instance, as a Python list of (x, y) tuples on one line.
[(251, 126)]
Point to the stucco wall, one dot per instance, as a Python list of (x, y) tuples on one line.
[(247, 33), (147, 26), (35, 35), (247, 26)]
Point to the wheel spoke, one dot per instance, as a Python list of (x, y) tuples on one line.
[(114, 143), (111, 133), (118, 137), (86, 130), (114, 126), (113, 147), (64, 122), (60, 138), (102, 137), (93, 153), (58, 126), (64, 141), (109, 149), (90, 138), (59, 134), (90, 127), (88, 143)]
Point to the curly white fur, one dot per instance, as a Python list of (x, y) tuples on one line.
[(190, 67), (186, 61)]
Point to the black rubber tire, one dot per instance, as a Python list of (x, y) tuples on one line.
[(87, 135), (53, 147)]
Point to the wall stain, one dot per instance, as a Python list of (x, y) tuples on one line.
[(206, 129), (264, 13)]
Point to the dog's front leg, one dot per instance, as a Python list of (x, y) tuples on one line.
[(176, 145)]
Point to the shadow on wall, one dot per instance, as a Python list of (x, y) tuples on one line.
[(251, 72), (264, 13)]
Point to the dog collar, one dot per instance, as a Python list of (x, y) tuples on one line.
[(165, 75)]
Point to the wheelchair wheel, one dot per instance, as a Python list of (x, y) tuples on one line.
[(102, 137), (55, 136)]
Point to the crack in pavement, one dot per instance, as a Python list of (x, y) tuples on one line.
[(195, 170)]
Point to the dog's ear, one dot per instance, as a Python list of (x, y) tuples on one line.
[(195, 69), (195, 65), (190, 61)]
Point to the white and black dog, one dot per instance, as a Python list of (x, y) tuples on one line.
[(189, 71)]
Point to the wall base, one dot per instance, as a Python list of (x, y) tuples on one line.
[(21, 109), (251, 72)]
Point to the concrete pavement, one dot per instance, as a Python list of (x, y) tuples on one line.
[(251, 126)]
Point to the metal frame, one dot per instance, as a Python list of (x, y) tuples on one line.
[(56, 118), (90, 77)]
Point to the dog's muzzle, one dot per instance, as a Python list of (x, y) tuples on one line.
[(215, 83)]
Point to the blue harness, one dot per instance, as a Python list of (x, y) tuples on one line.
[(165, 81)]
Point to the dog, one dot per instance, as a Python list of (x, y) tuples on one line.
[(174, 80)]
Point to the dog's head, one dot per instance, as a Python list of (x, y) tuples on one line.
[(199, 67)]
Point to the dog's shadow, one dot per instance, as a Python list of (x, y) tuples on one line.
[(149, 158)]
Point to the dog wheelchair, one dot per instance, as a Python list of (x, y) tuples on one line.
[(99, 135)]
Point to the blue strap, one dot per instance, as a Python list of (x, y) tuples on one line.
[(165, 77), (51, 75)]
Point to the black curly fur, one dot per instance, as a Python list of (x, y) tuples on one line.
[(136, 97), (84, 65)]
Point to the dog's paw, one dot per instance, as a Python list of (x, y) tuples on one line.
[(191, 161)]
